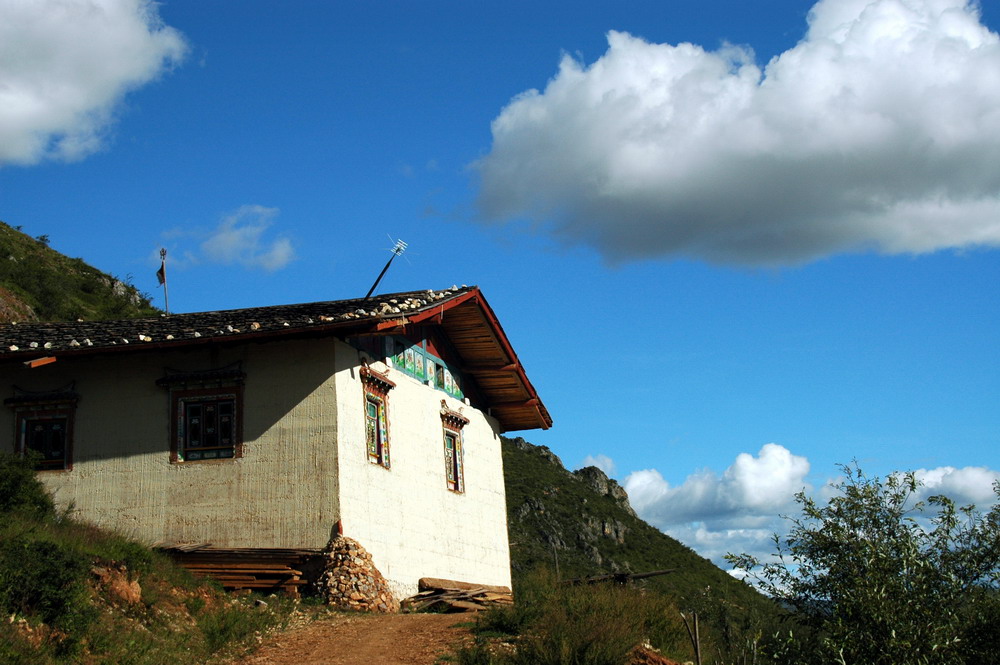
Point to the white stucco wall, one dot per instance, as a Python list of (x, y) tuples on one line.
[(304, 462), (281, 493), (412, 524)]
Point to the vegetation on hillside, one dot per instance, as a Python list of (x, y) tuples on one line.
[(557, 521), (874, 577), (71, 593), (38, 283), (558, 624)]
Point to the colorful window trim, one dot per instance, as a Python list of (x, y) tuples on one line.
[(206, 413), (424, 366), (207, 424), (207, 427), (376, 392), (454, 463), (44, 427)]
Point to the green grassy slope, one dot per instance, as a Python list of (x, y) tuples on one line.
[(38, 283), (557, 517)]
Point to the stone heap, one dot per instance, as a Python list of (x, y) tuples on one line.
[(350, 581)]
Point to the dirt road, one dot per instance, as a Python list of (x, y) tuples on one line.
[(394, 639)]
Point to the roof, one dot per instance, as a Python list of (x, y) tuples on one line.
[(462, 313)]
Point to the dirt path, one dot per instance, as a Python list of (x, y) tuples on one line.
[(394, 639)]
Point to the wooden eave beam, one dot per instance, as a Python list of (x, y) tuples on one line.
[(533, 401), (38, 362), (490, 367)]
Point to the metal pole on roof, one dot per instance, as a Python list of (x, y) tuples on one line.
[(161, 275), (396, 251)]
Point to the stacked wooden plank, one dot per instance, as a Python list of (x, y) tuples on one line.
[(437, 595), (256, 569)]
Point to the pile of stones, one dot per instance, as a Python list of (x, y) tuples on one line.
[(350, 581)]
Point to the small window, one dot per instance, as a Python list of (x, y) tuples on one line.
[(453, 460), (43, 424), (206, 413), (207, 428), (46, 438), (454, 465), (376, 431), (376, 392)]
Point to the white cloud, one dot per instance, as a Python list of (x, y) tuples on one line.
[(879, 130), (752, 489), (735, 512), (602, 462), (65, 66), (740, 510), (968, 485), (239, 239)]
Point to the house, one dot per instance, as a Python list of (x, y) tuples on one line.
[(275, 427)]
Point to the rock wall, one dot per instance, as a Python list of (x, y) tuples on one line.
[(350, 581)]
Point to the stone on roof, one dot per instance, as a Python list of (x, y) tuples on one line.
[(171, 329)]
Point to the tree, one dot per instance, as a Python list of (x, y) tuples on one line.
[(876, 578)]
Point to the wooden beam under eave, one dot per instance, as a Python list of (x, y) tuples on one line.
[(534, 401), (395, 325), (488, 367), (38, 362)]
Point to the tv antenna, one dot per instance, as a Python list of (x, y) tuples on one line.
[(397, 250)]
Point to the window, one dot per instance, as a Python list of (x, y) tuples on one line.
[(207, 427), (44, 426), (453, 460), (376, 430), (47, 439), (454, 464), (206, 413), (376, 392), (419, 362)]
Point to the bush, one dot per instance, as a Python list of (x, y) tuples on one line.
[(874, 579), (20, 490), (46, 581), (578, 625)]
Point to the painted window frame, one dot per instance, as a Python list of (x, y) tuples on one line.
[(452, 424), (201, 387), (413, 359), (375, 389), (182, 402), (45, 407)]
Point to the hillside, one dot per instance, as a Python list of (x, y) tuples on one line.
[(37, 283), (582, 522)]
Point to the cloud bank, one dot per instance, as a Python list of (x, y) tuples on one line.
[(239, 239), (740, 510), (602, 462), (65, 66), (879, 130)]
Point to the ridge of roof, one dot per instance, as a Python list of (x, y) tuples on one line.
[(17, 339)]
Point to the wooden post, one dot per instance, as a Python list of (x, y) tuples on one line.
[(694, 636)]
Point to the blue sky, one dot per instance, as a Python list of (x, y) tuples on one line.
[(734, 243)]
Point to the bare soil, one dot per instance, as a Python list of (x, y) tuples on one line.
[(366, 639)]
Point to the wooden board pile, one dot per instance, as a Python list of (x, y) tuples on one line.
[(250, 569), (437, 595)]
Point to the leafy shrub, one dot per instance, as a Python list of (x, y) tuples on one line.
[(46, 580), (577, 625), (871, 583), (20, 490), (234, 623)]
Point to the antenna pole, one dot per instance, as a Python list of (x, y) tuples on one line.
[(396, 251), (161, 275)]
